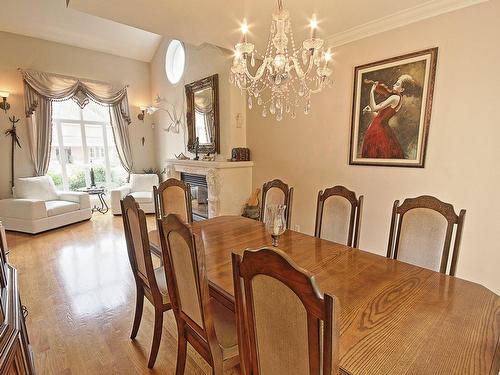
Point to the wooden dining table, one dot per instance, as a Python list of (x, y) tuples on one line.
[(395, 318)]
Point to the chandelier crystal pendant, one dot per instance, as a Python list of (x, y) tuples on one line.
[(287, 76)]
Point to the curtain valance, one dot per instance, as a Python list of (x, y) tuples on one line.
[(56, 87), (41, 89), (203, 101)]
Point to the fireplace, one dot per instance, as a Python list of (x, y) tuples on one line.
[(219, 187), (199, 194)]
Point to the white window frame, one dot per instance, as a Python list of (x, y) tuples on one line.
[(57, 126)]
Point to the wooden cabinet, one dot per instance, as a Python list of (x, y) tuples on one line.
[(15, 363), (16, 357)]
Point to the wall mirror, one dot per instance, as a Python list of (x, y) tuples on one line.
[(202, 115)]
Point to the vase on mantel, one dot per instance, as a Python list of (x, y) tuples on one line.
[(275, 222)]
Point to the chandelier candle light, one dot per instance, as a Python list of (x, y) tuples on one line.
[(287, 76)]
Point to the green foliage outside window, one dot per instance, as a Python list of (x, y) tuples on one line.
[(57, 178), (77, 181)]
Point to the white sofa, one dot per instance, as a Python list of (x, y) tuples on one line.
[(37, 206), (141, 188)]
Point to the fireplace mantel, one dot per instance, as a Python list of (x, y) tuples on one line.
[(210, 164), (229, 183)]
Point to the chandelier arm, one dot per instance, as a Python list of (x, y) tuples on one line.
[(298, 69), (260, 72), (317, 90)]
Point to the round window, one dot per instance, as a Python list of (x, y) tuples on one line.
[(175, 60)]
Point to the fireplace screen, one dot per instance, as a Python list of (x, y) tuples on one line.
[(199, 194)]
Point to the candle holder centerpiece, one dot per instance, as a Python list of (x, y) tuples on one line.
[(275, 222)]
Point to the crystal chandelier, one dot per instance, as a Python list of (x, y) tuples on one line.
[(287, 76)]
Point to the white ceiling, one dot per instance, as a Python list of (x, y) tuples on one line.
[(134, 28), (218, 21), (51, 20)]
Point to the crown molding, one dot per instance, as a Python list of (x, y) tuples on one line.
[(405, 17)]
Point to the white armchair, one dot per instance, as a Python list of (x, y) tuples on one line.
[(37, 206), (141, 188)]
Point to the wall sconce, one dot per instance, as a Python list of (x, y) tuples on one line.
[(140, 116), (4, 105), (149, 110)]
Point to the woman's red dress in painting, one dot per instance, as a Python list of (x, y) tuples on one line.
[(379, 140)]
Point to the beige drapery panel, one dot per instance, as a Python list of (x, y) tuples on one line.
[(203, 101), (41, 89), (203, 104)]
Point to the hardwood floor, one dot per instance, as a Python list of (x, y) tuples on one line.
[(78, 287)]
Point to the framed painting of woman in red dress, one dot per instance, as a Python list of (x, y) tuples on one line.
[(392, 110)]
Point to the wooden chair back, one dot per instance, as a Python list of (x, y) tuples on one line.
[(173, 196), (139, 253), (285, 324), (276, 192), (421, 233), (338, 215), (188, 284)]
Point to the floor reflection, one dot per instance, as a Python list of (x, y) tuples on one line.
[(80, 292), (92, 274)]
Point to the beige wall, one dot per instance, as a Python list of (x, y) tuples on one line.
[(201, 61), (25, 52), (462, 165)]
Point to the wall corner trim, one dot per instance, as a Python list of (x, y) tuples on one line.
[(405, 17)]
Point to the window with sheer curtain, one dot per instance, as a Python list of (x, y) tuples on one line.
[(83, 139)]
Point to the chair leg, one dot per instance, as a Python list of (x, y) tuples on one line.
[(156, 337), (139, 303), (218, 369), (218, 366), (181, 351)]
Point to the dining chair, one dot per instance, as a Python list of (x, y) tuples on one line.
[(285, 324), (206, 324), (173, 196), (338, 215), (421, 233), (276, 192), (150, 282)]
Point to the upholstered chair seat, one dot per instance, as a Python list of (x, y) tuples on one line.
[(162, 284), (143, 196), (55, 208), (225, 329)]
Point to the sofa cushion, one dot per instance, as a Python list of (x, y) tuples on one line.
[(55, 208), (41, 187), (83, 199), (142, 197), (143, 182)]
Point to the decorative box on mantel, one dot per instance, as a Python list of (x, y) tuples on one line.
[(229, 183)]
